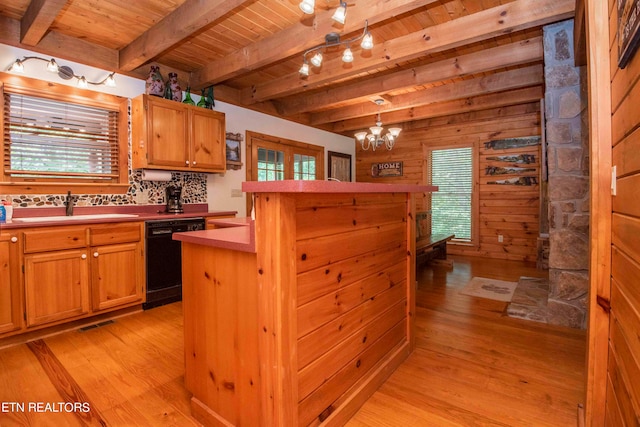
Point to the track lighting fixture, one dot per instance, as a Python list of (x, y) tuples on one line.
[(332, 40), (64, 72), (375, 139), (340, 15)]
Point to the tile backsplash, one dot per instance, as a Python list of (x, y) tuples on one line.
[(194, 190)]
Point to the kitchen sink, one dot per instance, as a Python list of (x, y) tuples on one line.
[(73, 217)]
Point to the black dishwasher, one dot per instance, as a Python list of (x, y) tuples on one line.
[(164, 259)]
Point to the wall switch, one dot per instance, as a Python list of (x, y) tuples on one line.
[(236, 192), (500, 238)]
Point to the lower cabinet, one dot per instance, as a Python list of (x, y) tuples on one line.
[(116, 272), (56, 286), (10, 295), (71, 272)]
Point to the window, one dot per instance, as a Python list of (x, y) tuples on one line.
[(64, 136), (274, 159), (452, 206)]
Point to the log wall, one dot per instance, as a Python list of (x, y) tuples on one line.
[(512, 211), (623, 380)]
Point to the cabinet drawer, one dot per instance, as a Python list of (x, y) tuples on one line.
[(115, 233), (52, 239)]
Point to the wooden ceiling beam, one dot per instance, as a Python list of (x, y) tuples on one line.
[(458, 106), (306, 34), (61, 46), (514, 16), (513, 79), (37, 19), (192, 16), (513, 54)]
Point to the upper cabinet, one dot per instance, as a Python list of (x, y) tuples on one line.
[(175, 136)]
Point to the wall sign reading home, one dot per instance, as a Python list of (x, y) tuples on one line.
[(383, 170), (628, 35)]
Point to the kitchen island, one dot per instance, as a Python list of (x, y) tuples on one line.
[(296, 318)]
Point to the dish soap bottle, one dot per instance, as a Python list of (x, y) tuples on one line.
[(3, 213), (8, 210)]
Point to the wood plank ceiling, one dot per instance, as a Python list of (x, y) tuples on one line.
[(431, 57)]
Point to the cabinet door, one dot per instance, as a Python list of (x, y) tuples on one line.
[(56, 286), (117, 275), (10, 302), (167, 133), (208, 149)]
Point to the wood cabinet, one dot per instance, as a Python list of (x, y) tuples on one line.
[(117, 265), (75, 271), (306, 326), (175, 136), (56, 286), (10, 295)]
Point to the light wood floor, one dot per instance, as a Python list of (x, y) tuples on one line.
[(472, 367)]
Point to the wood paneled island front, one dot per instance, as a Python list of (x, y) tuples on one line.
[(296, 318)]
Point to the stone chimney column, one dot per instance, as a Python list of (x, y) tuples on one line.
[(568, 178)]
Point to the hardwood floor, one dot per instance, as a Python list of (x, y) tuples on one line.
[(472, 367)]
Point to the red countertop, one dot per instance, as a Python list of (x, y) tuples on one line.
[(318, 186), (237, 234), (142, 212)]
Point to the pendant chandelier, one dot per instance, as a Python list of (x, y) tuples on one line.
[(375, 139), (332, 40)]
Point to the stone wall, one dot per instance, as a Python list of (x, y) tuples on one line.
[(568, 180)]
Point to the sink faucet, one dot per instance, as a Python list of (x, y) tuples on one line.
[(69, 203)]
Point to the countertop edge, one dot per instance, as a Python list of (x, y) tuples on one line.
[(319, 186), (236, 235)]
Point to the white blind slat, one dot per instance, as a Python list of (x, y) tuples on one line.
[(452, 172), (45, 137)]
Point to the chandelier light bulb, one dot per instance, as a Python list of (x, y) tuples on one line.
[(376, 130), (307, 6), (367, 41), (395, 131), (347, 56), (340, 14), (360, 136), (316, 60)]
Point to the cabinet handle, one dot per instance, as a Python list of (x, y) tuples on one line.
[(83, 256), (96, 254), (186, 162), (14, 239), (194, 163)]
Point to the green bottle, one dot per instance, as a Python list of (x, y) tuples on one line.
[(203, 102), (187, 97)]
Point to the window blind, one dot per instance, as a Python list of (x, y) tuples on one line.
[(452, 172), (45, 138)]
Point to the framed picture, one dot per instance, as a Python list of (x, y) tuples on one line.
[(233, 143), (339, 166), (628, 35)]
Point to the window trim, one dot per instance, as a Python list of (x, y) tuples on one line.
[(40, 88), (288, 146), (475, 192)]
